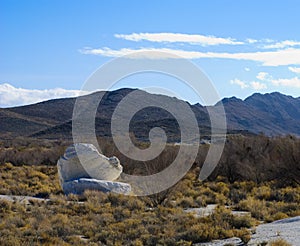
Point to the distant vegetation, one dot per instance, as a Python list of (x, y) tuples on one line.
[(256, 174), (252, 158), (27, 151), (261, 159)]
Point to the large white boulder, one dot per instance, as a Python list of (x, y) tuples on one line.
[(83, 160)]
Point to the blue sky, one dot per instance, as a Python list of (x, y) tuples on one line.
[(48, 48)]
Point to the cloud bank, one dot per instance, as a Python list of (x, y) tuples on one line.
[(11, 96)]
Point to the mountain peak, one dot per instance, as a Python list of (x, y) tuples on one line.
[(273, 95), (227, 100)]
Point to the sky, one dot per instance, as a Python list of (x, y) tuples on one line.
[(49, 48)]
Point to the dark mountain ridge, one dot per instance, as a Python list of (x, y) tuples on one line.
[(272, 114)]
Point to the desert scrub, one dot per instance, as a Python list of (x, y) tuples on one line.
[(278, 216), (243, 221), (244, 235), (220, 188), (257, 208), (282, 210), (28, 180), (290, 194), (186, 202), (262, 192), (113, 219), (279, 242), (5, 207)]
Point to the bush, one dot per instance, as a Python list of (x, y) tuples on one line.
[(244, 235), (279, 216), (257, 208), (279, 242), (5, 207), (244, 221), (186, 202)]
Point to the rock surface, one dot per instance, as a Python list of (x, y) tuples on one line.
[(287, 229), (234, 241), (83, 168), (203, 211), (22, 199), (84, 161), (80, 185), (209, 209)]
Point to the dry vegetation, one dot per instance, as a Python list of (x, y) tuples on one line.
[(111, 219)]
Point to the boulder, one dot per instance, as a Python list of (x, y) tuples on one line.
[(80, 185), (82, 168), (83, 160)]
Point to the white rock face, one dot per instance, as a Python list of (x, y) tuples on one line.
[(84, 161)]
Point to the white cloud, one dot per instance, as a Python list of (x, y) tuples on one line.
[(262, 76), (178, 37), (258, 85), (284, 57), (12, 96), (247, 69), (282, 44), (268, 58), (254, 84), (267, 40), (251, 41), (291, 82), (240, 83), (295, 69), (150, 53)]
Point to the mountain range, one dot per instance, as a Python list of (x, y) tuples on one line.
[(271, 114)]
